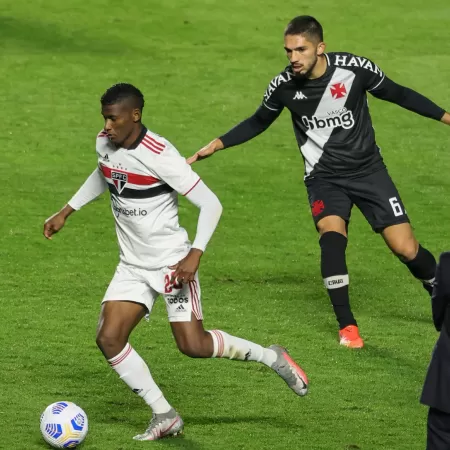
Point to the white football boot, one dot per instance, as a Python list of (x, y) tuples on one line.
[(162, 425), (290, 371)]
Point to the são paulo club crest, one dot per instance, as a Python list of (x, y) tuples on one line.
[(119, 179)]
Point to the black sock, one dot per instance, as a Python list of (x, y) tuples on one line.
[(335, 275), (423, 267)]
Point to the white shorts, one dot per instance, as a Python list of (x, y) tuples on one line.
[(143, 286)]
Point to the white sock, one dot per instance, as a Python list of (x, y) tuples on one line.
[(227, 346), (134, 371)]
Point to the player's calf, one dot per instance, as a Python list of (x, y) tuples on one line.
[(335, 275), (420, 262), (423, 267), (194, 341), (196, 346)]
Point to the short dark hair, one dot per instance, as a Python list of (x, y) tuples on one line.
[(305, 25), (121, 91)]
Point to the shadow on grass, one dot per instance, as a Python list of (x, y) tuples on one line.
[(271, 421), (50, 37)]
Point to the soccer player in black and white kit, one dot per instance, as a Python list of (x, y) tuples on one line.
[(326, 96), (144, 174)]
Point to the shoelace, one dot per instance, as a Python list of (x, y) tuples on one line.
[(154, 423)]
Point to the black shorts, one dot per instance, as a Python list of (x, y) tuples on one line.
[(375, 195)]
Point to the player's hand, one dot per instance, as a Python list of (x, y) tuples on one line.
[(185, 270), (54, 223), (206, 151)]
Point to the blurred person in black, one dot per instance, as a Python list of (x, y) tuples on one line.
[(436, 390)]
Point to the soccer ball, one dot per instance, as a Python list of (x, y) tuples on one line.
[(64, 425)]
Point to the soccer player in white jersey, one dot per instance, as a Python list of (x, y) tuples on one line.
[(144, 173)]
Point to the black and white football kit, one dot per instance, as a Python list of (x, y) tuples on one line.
[(333, 128)]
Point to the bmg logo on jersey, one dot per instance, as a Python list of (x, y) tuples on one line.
[(344, 120), (119, 179)]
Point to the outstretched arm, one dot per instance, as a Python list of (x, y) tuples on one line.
[(407, 98), (243, 132), (250, 128)]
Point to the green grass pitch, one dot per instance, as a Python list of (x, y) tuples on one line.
[(203, 65)]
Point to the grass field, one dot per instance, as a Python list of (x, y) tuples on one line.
[(203, 66)]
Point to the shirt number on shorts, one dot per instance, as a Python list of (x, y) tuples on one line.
[(396, 207), (168, 285)]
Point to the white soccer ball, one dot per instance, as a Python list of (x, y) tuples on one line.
[(64, 425)]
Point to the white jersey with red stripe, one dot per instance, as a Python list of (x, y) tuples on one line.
[(143, 182)]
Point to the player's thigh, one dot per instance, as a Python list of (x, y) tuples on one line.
[(401, 240), (330, 205), (378, 199), (191, 337), (128, 298), (183, 300), (184, 310), (118, 318)]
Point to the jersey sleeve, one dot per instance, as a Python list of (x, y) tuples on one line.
[(93, 187), (210, 212), (169, 166), (250, 127), (271, 99), (408, 99), (373, 77)]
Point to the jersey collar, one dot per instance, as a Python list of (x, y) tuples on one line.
[(139, 138)]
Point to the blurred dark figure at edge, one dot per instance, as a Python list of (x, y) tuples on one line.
[(436, 389)]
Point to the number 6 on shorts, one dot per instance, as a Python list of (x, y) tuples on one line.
[(396, 207)]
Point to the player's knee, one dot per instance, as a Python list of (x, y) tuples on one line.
[(406, 250), (110, 342), (332, 224)]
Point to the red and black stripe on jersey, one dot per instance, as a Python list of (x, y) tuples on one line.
[(118, 179)]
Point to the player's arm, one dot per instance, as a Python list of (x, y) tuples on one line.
[(173, 169), (210, 212), (249, 128), (94, 186), (243, 132), (411, 100)]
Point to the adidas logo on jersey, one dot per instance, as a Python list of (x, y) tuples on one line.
[(299, 95), (345, 120), (180, 309)]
